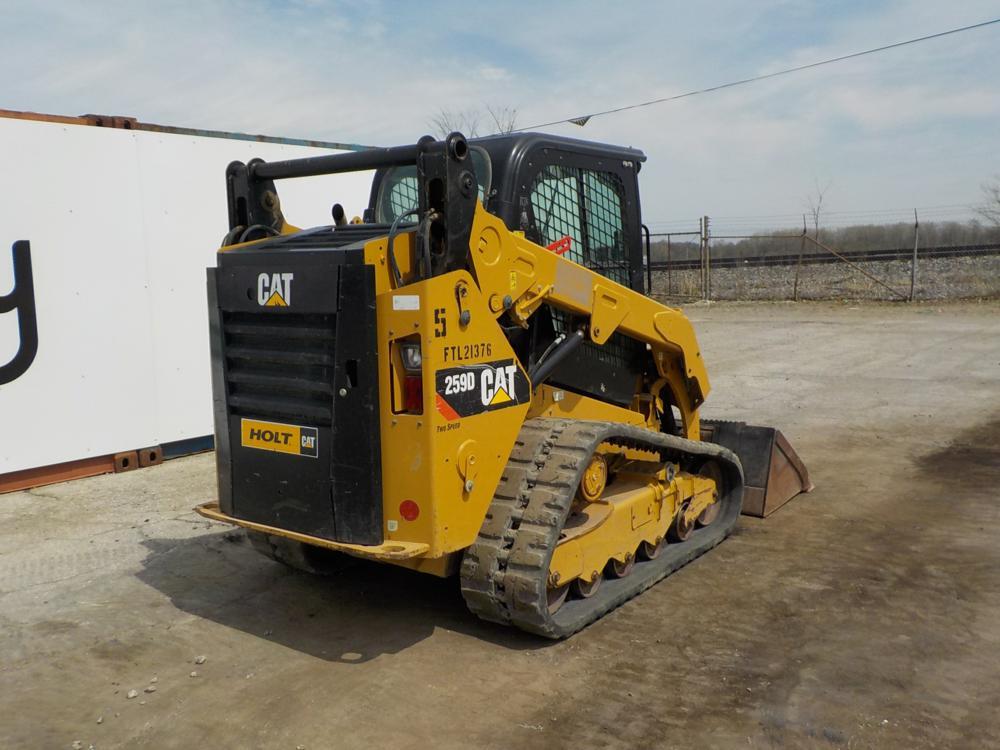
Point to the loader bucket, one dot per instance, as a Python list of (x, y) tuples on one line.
[(773, 471)]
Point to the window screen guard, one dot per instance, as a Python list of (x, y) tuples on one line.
[(586, 206)]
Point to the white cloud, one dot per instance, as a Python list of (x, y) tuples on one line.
[(493, 73), (376, 74), (887, 107)]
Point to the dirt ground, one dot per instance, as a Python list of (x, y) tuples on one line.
[(866, 614)]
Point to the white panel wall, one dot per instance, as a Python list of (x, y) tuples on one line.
[(122, 225)]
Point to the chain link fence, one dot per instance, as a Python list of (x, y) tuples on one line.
[(695, 264)]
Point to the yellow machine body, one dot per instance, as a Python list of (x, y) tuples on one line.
[(450, 467), (530, 488)]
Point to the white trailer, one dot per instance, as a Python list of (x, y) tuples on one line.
[(122, 219)]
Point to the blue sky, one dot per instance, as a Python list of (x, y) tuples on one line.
[(914, 127)]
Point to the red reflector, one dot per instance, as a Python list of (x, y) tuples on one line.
[(409, 510), (561, 246), (413, 394)]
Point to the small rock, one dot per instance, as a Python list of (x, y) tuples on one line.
[(131, 694), (150, 689), (142, 703), (77, 745), (200, 659), (300, 747), (193, 674), (884, 722), (154, 680), (100, 719)]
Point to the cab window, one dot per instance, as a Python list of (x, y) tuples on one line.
[(588, 207), (398, 192)]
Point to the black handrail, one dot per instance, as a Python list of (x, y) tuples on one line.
[(649, 262), (355, 161)]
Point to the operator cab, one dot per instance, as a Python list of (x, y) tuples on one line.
[(551, 188)]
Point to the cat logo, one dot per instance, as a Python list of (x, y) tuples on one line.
[(468, 390), (496, 383), (274, 289)]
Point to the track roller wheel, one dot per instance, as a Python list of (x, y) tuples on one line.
[(679, 530), (712, 470), (585, 590), (621, 569), (557, 597), (650, 550)]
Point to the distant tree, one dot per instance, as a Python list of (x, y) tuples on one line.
[(814, 204), (990, 207), (501, 119), (464, 121), (504, 118)]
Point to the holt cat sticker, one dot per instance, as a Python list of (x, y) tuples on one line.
[(280, 438)]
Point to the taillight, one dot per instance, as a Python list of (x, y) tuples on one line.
[(413, 394), (410, 385)]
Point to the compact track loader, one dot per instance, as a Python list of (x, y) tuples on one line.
[(471, 380)]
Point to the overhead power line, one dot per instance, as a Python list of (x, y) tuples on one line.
[(582, 120)]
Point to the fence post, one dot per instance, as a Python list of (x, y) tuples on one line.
[(708, 260), (798, 266), (916, 244), (701, 256)]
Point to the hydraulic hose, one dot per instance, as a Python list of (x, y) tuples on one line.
[(390, 248), (559, 353)]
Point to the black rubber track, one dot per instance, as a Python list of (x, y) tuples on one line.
[(504, 573)]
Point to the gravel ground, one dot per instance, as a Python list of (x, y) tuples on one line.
[(866, 614)]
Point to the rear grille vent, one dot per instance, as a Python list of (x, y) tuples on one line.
[(280, 366)]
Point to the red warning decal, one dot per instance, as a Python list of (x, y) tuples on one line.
[(561, 246)]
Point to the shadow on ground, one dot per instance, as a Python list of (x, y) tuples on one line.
[(971, 458), (352, 616)]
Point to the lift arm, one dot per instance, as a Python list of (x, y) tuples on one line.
[(517, 276)]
